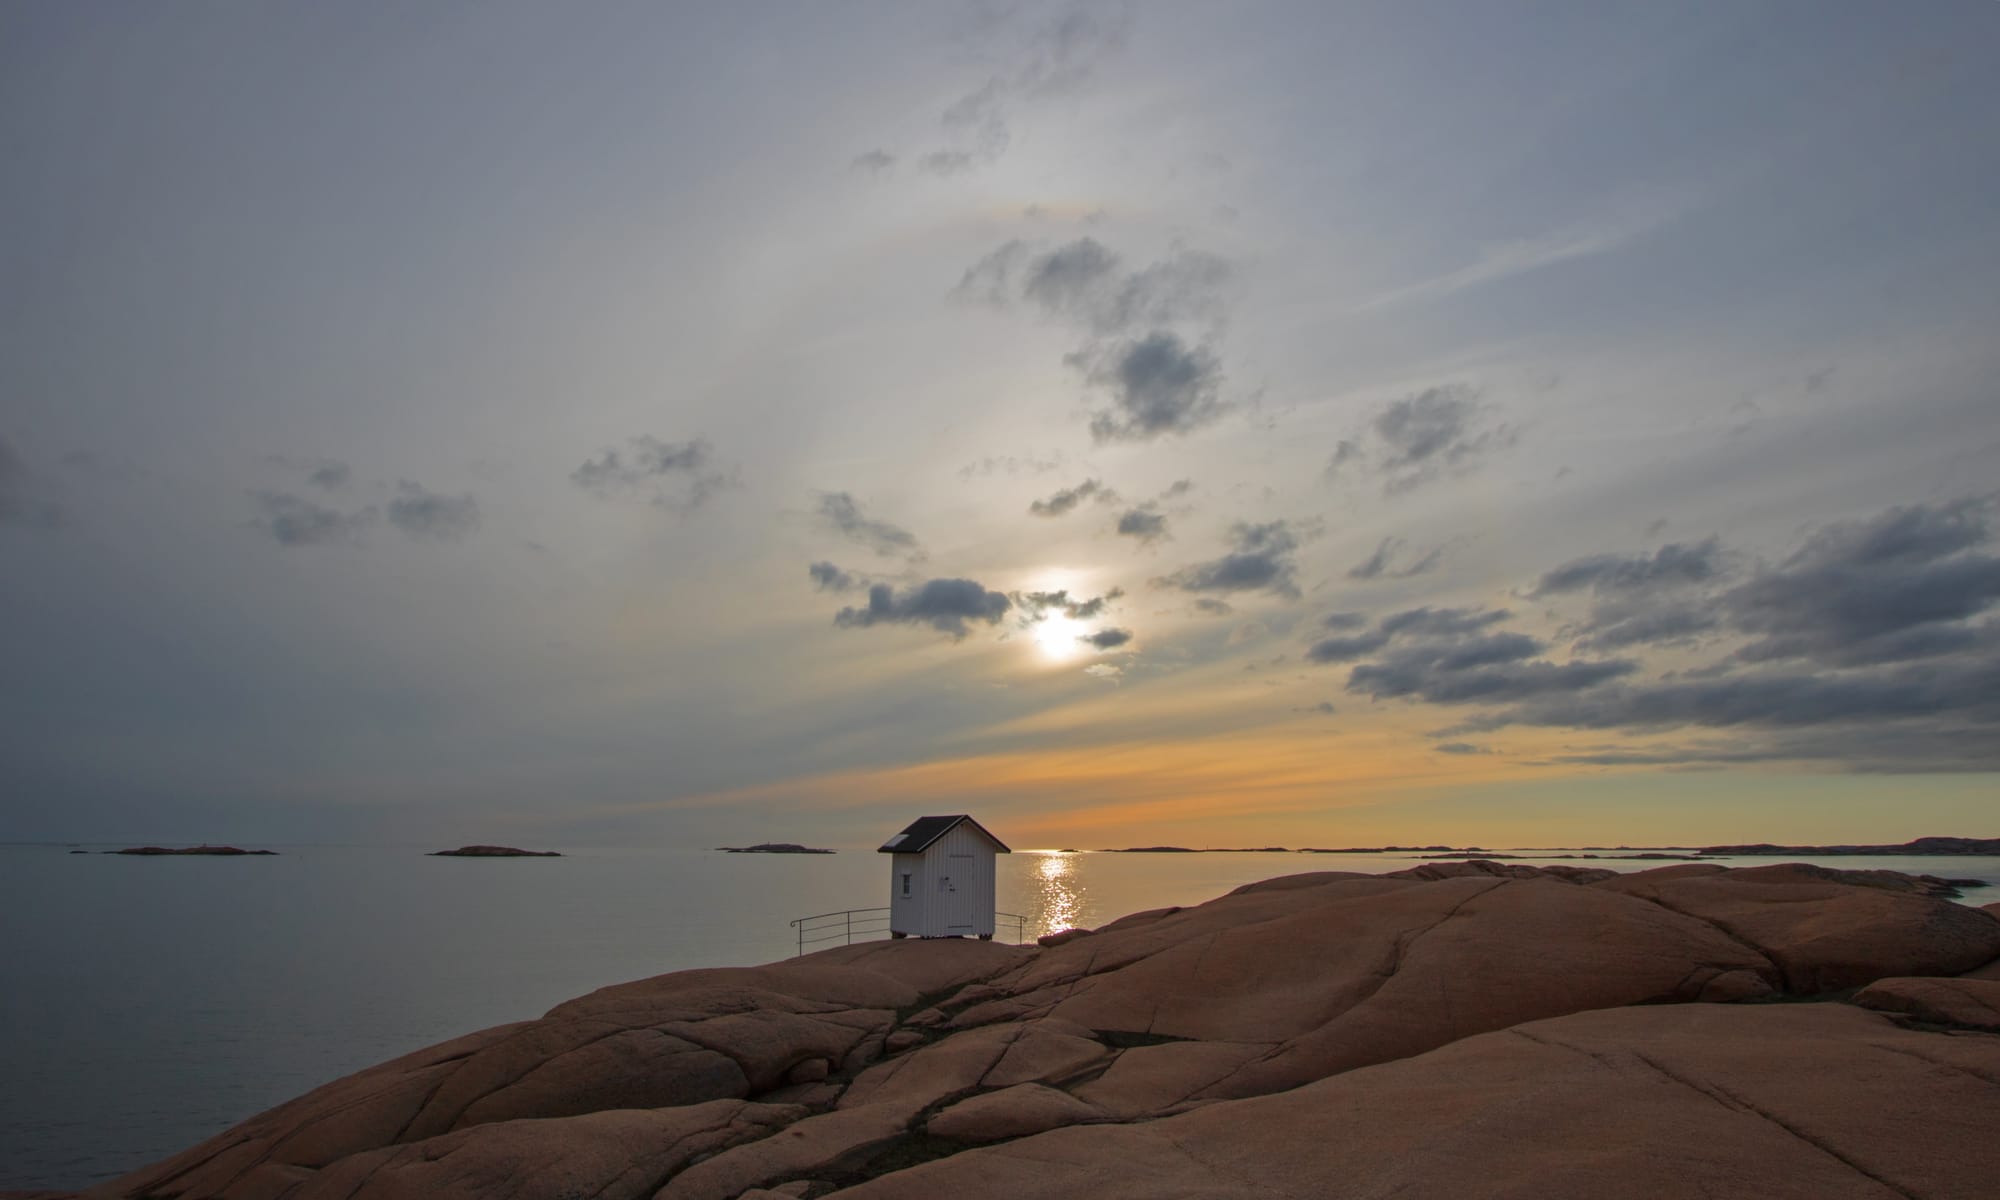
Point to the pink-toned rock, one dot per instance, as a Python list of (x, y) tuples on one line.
[(1149, 1080), (1356, 971), (829, 1143), (612, 1155), (1825, 932), (1013, 1112), (1488, 869), (1061, 936), (848, 1065), (1971, 1003), (1821, 1101)]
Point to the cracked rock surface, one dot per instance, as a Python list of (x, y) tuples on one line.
[(1495, 1029)]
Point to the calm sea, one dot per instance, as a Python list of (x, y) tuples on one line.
[(147, 1003)]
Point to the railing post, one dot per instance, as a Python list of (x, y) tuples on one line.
[(850, 926)]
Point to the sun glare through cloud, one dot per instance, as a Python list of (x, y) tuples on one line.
[(1058, 638)]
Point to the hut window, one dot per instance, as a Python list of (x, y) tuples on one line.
[(906, 883)]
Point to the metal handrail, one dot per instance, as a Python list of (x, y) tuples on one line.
[(844, 929), (844, 924), (1020, 925)]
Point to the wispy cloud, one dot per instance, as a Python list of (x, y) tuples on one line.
[(1520, 256)]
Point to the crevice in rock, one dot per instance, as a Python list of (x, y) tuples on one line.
[(1125, 1039), (1777, 968), (1960, 1068), (1734, 1102)]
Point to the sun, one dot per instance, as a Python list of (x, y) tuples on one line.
[(1057, 636)]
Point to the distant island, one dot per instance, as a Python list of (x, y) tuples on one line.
[(1647, 856), (221, 851), (774, 848), (493, 852), (1391, 850), (1922, 846)]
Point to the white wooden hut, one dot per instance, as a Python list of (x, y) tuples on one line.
[(941, 878)]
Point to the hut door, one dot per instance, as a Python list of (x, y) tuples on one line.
[(958, 901)]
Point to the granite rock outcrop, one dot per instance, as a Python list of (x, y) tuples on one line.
[(1477, 1027)]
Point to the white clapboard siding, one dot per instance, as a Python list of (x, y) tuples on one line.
[(910, 908), (965, 864), (947, 889)]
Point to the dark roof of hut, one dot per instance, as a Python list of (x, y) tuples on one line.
[(925, 830)]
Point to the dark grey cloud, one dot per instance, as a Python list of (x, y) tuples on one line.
[(1147, 330), (1432, 431), (829, 578), (1639, 622), (296, 521), (1071, 279), (330, 475), (1968, 691), (1346, 649), (1263, 560), (872, 161), (1107, 639), (946, 605), (1453, 656), (1035, 604), (422, 513), (1873, 646), (678, 476), (1901, 585), (1067, 499), (1675, 564), (1210, 606), (1143, 523), (1642, 599), (1376, 565), (840, 511), (1085, 284), (1422, 437), (1343, 620), (18, 505), (1177, 489), (1188, 287), (1489, 671), (1442, 622), (1158, 385)]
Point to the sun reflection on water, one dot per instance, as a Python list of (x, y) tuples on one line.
[(1059, 894)]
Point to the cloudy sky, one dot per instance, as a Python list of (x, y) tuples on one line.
[(1317, 424)]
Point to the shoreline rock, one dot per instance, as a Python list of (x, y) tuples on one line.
[(773, 848), (1474, 1027), (493, 852)]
